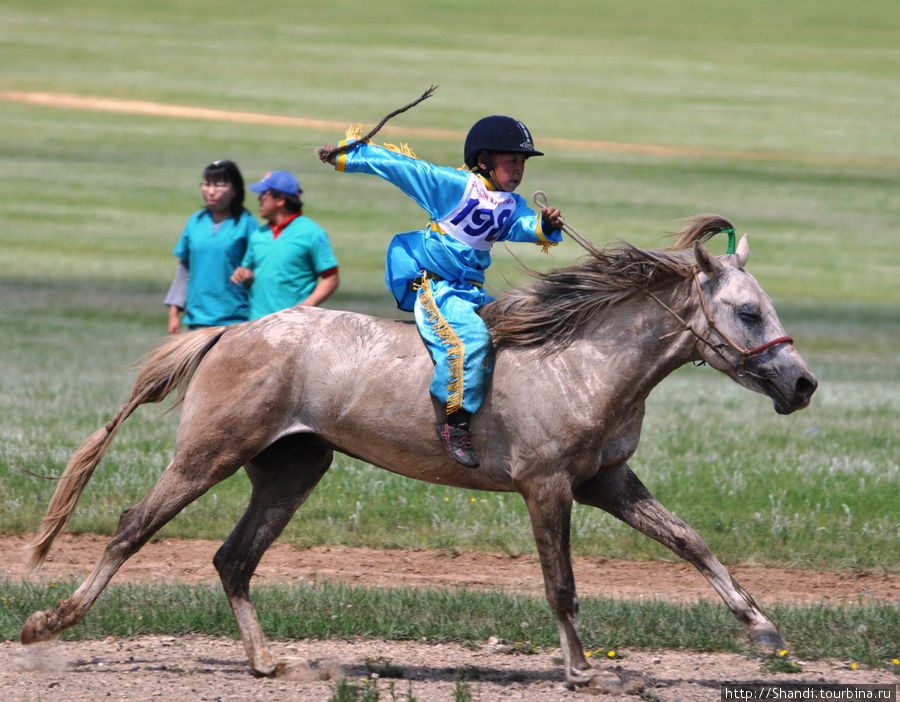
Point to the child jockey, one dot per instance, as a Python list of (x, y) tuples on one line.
[(438, 272)]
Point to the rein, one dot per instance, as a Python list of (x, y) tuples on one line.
[(542, 200), (746, 354)]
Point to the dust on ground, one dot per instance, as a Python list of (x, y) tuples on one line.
[(215, 668)]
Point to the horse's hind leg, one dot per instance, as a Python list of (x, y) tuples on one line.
[(282, 477), (621, 493), (177, 487)]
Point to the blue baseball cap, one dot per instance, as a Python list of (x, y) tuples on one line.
[(278, 180)]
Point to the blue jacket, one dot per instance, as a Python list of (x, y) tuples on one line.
[(466, 217)]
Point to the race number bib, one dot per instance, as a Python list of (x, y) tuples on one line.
[(480, 216)]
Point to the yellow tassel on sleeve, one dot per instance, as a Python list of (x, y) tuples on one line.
[(355, 132), (404, 149)]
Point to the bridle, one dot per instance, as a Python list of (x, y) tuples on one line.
[(739, 369), (541, 200)]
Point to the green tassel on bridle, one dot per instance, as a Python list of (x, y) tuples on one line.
[(731, 242)]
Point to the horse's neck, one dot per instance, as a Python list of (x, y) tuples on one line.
[(643, 339)]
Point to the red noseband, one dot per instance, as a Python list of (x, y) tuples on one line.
[(768, 345)]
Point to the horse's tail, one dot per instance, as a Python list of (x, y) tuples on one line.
[(169, 367)]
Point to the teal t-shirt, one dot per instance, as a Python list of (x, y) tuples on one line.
[(211, 253), (286, 268)]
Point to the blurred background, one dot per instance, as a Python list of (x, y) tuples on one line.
[(782, 116)]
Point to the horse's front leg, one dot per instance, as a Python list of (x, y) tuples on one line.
[(621, 493), (550, 509), (549, 504)]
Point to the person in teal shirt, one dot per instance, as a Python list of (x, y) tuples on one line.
[(212, 243), (289, 260)]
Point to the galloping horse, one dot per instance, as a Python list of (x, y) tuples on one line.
[(578, 350)]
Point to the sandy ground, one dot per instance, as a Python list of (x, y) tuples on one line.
[(190, 561), (189, 112), (205, 668)]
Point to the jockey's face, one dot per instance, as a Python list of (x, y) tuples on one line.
[(506, 169)]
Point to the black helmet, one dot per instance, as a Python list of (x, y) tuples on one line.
[(498, 133)]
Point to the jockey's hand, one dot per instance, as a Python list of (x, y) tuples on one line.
[(323, 151), (552, 218), (242, 276)]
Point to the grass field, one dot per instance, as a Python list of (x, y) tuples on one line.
[(863, 632), (784, 117)]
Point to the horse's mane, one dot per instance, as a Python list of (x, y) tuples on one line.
[(553, 308)]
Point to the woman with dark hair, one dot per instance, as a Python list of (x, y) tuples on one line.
[(212, 244)]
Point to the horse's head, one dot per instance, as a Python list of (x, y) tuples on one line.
[(744, 337)]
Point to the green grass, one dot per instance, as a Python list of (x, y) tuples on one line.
[(865, 632), (783, 117)]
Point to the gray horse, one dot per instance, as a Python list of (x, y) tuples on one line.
[(578, 350)]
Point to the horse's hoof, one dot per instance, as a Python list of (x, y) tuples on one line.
[(37, 628), (767, 636), (608, 683)]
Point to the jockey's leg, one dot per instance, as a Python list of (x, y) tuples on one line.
[(460, 344)]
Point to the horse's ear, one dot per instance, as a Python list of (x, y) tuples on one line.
[(708, 263), (743, 252)]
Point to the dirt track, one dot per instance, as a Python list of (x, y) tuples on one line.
[(191, 561), (189, 112), (195, 668)]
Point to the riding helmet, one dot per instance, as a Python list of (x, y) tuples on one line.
[(498, 133)]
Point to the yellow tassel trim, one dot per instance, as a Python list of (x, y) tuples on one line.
[(404, 149), (355, 132), (544, 241), (449, 338)]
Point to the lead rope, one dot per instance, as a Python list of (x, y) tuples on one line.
[(542, 200)]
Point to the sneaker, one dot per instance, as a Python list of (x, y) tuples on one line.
[(457, 439)]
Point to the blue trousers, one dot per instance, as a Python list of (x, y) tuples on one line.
[(459, 342)]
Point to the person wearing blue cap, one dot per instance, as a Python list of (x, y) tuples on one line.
[(438, 272), (289, 260), (211, 244)]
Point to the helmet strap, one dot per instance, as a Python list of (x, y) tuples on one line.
[(488, 159), (483, 156)]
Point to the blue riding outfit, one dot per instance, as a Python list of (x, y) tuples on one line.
[(438, 272)]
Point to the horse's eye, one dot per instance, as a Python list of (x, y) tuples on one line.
[(751, 317)]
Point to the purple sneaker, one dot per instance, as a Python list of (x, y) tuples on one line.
[(457, 439)]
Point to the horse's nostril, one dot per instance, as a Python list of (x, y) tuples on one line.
[(806, 386)]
